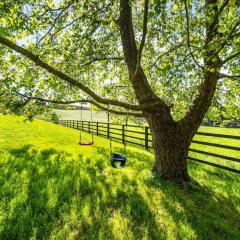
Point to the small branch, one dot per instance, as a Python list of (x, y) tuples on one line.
[(102, 59), (165, 53), (2, 93), (235, 35), (29, 98), (217, 15), (231, 57), (223, 75), (75, 20), (49, 100), (134, 114), (230, 35), (49, 10), (188, 36), (21, 105), (55, 21), (95, 21), (65, 26)]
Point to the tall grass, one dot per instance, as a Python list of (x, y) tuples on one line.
[(52, 188)]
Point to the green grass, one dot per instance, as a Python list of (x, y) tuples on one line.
[(52, 188)]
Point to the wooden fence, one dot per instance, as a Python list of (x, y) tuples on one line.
[(141, 136)]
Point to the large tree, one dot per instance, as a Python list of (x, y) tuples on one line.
[(172, 55)]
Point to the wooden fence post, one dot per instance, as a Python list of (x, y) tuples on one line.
[(108, 128), (146, 138), (97, 129), (123, 134), (88, 127)]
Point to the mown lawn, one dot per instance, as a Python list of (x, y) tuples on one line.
[(52, 188)]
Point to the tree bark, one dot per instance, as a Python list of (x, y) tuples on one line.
[(170, 144)]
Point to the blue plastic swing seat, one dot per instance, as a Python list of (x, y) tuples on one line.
[(117, 158)]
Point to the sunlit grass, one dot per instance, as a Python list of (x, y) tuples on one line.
[(52, 188)]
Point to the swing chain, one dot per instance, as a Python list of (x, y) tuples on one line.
[(125, 144), (81, 122), (110, 139)]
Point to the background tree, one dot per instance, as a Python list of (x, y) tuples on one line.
[(174, 54)]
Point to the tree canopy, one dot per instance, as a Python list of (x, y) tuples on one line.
[(82, 40)]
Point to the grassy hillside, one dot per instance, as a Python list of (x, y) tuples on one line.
[(52, 188)]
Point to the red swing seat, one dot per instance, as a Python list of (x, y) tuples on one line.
[(85, 143)]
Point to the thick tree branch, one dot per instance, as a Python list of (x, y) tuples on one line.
[(142, 88), (128, 36), (29, 98), (145, 19), (212, 64), (71, 80)]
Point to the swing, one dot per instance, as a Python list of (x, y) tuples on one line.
[(117, 160), (85, 143)]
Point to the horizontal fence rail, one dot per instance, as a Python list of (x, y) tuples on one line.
[(141, 136)]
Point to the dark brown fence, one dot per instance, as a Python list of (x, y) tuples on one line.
[(141, 136)]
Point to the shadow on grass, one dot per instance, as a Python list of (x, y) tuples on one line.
[(209, 215), (47, 194), (50, 194)]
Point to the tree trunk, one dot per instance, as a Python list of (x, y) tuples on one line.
[(170, 144)]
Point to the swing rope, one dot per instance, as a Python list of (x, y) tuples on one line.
[(108, 122), (92, 121), (82, 124), (124, 143), (81, 129), (115, 157)]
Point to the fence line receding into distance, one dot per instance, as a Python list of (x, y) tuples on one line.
[(141, 136)]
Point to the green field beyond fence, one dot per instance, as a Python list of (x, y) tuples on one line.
[(212, 148), (98, 116)]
